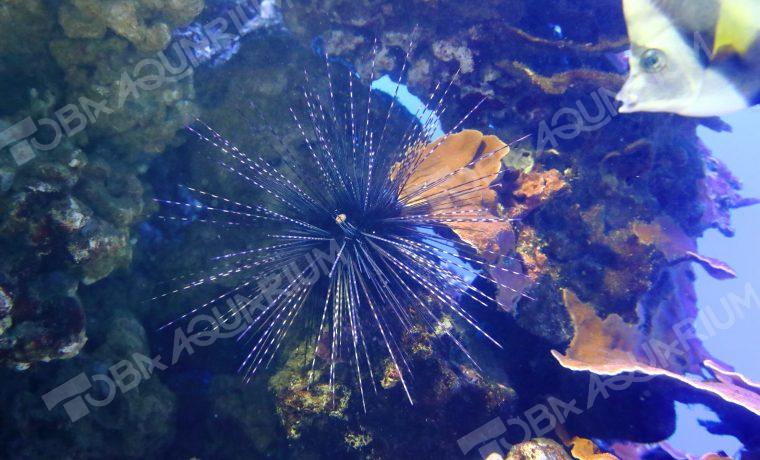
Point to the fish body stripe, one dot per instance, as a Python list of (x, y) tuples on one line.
[(713, 27), (695, 21)]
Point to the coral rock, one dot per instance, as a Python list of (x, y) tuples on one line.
[(538, 449)]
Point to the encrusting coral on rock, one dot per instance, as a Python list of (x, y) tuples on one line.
[(141, 409), (68, 204), (146, 25)]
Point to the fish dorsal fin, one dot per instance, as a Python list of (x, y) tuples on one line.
[(645, 19), (690, 16), (738, 26)]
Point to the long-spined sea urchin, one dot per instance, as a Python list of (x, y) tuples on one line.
[(399, 219)]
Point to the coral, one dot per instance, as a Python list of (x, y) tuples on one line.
[(6, 305), (62, 221), (534, 188), (42, 317), (612, 347), (454, 389), (147, 25), (608, 208), (539, 448), (447, 171), (145, 104), (358, 440), (51, 206), (22, 50), (450, 384), (447, 51), (67, 212), (303, 405), (560, 83), (676, 246), (143, 416), (34, 14), (585, 449), (719, 194)]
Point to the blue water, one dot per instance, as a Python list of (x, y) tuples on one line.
[(737, 342), (412, 103)]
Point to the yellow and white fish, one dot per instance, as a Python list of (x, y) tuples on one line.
[(695, 58)]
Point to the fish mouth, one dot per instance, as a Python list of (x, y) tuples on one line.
[(628, 101), (627, 108), (631, 102)]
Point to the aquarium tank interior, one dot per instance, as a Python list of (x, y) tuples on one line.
[(380, 229)]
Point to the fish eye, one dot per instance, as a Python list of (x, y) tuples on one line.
[(653, 60)]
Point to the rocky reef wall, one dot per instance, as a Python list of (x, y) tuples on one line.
[(609, 209)]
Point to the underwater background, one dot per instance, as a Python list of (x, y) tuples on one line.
[(627, 318)]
